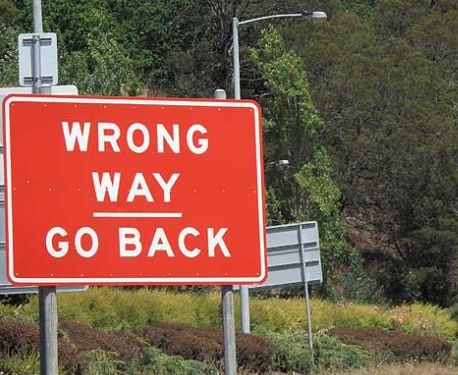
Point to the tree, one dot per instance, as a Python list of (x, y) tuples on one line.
[(306, 189), (387, 96)]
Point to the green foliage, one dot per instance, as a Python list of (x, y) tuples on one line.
[(292, 352), (103, 68), (162, 364), (118, 309), (363, 8), (454, 311), (425, 319), (100, 362), (7, 11), (19, 364), (8, 55), (335, 355), (385, 86), (364, 109), (115, 309), (455, 352), (306, 190)]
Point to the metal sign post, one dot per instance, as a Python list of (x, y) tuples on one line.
[(306, 291), (293, 252), (227, 301), (47, 294)]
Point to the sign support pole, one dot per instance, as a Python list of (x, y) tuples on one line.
[(230, 361), (46, 295), (227, 300), (48, 330), (307, 298)]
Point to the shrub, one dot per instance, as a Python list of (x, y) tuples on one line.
[(205, 344), (134, 309), (455, 352), (18, 337), (70, 359), (100, 362), (129, 348), (8, 312), (20, 364), (330, 353), (395, 346), (454, 311), (424, 319), (292, 352), (162, 364), (14, 299)]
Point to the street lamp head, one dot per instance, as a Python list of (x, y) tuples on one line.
[(283, 162), (278, 163), (315, 15)]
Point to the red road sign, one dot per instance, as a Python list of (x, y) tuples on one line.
[(133, 191)]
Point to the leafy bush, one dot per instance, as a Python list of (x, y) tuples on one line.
[(162, 364), (292, 352), (121, 309), (118, 309), (271, 314), (20, 364), (424, 319), (205, 344), (128, 348), (18, 337), (100, 362), (330, 353), (455, 352), (396, 346), (454, 311)]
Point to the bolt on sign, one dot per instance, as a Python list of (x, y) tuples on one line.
[(133, 191)]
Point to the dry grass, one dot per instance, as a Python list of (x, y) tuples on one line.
[(407, 369)]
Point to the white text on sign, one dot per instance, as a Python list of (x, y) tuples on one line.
[(139, 138)]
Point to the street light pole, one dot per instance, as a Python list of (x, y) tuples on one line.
[(244, 295), (236, 57)]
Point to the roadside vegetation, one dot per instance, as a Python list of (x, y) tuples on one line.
[(158, 331), (364, 106)]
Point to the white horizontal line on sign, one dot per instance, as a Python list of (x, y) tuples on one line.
[(138, 214)]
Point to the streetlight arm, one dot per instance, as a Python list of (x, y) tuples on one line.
[(272, 16)]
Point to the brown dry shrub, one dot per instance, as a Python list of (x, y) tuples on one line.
[(397, 346), (24, 338), (86, 338), (18, 337), (70, 359), (205, 344)]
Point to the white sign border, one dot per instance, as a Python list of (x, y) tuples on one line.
[(133, 280)]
